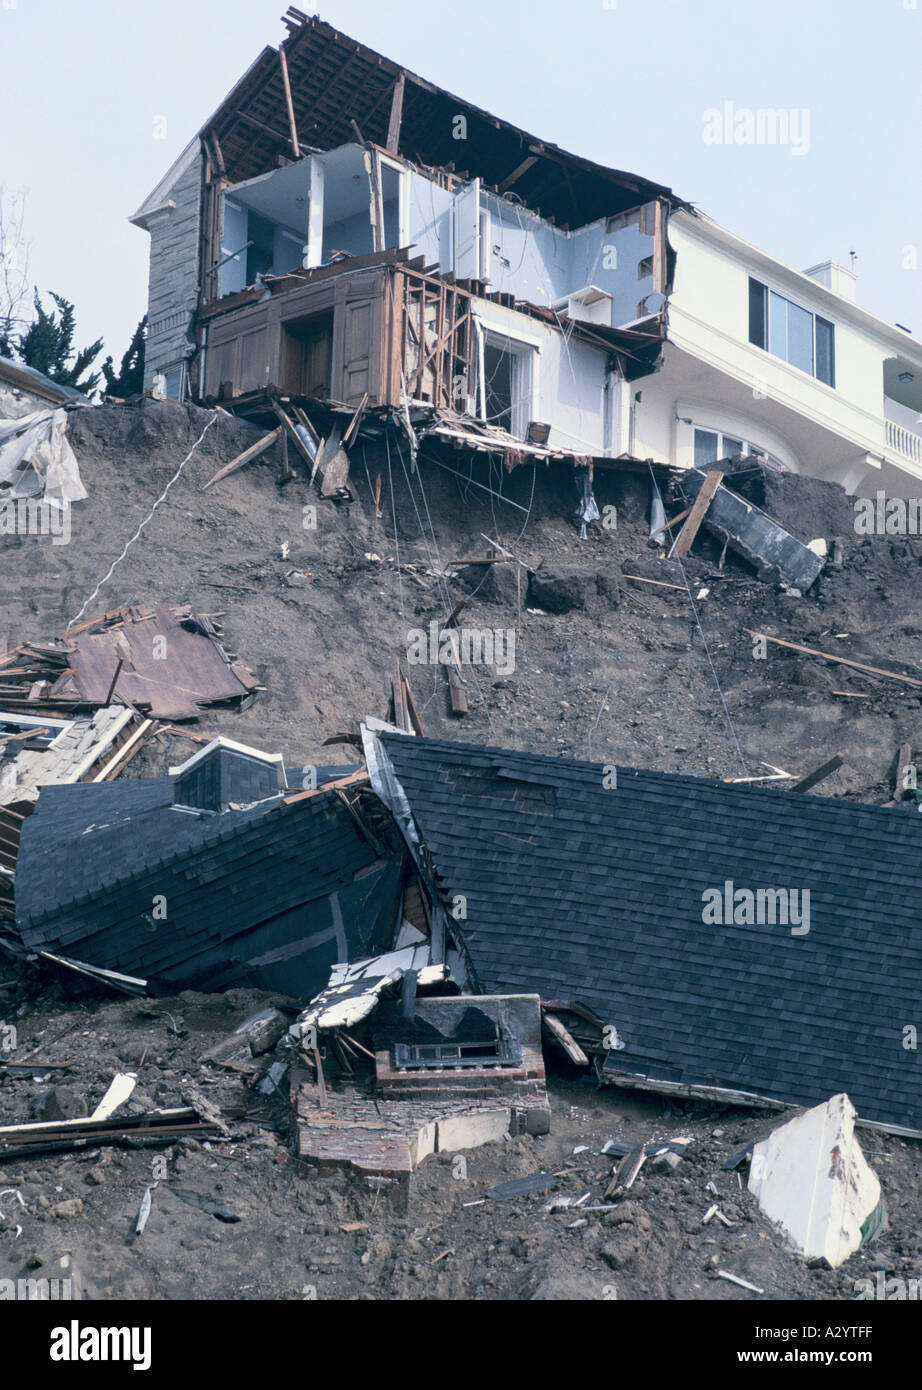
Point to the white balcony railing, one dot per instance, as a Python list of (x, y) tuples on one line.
[(904, 441)]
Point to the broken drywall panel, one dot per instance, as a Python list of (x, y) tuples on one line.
[(811, 1178)]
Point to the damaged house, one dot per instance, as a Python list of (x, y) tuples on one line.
[(343, 232), (675, 934)]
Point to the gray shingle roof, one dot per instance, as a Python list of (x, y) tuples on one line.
[(594, 895), (274, 895)]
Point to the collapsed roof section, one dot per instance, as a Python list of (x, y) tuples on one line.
[(735, 943), (306, 94), (166, 879), (167, 663)]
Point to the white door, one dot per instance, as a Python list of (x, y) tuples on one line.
[(467, 231)]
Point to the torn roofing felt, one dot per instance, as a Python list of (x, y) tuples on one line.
[(596, 895), (118, 875)]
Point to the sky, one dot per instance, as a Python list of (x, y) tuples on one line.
[(98, 98)]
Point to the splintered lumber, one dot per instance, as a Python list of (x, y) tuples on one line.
[(566, 1039), (294, 436), (682, 543), (660, 583), (412, 711), (673, 521), (353, 427), (840, 660), (253, 452), (818, 775), (154, 1126), (283, 64), (626, 1172)]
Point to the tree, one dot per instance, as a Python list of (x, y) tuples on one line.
[(14, 267), (48, 345), (130, 379)]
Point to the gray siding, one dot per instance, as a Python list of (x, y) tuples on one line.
[(174, 267)]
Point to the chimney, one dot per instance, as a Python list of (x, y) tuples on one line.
[(835, 277)]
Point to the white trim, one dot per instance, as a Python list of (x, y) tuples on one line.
[(231, 747), (156, 201)]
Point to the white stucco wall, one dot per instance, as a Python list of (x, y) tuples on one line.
[(571, 391), (709, 317)]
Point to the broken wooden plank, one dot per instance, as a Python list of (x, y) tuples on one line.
[(283, 64), (673, 521), (660, 583), (154, 1126), (456, 692), (566, 1039), (818, 775), (124, 755), (396, 117), (412, 711), (689, 531), (840, 660), (353, 427), (248, 454), (111, 691), (297, 441), (626, 1172)]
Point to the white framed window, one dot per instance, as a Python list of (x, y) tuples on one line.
[(714, 445)]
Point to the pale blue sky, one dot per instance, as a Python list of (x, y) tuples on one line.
[(625, 84)]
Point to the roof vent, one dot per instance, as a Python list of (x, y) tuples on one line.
[(227, 774)]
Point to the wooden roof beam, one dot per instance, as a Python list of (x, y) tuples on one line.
[(283, 64), (396, 116), (517, 173)]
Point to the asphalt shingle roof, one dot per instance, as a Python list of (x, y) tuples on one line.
[(593, 894), (275, 894)]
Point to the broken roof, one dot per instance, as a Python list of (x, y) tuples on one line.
[(596, 895), (167, 662), (267, 892), (24, 378), (334, 80)]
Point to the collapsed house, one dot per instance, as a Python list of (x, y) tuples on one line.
[(348, 235), (696, 938), (680, 935)]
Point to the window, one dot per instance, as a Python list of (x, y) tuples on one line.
[(784, 329), (508, 384), (175, 381), (711, 445)]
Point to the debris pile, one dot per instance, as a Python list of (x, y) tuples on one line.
[(457, 931)]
